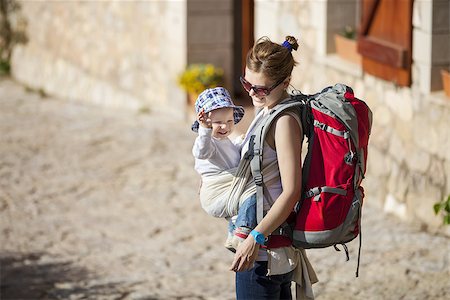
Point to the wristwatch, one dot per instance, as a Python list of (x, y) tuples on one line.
[(258, 236)]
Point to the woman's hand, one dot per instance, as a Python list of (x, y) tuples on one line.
[(245, 255)]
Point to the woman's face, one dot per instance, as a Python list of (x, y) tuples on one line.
[(260, 80)]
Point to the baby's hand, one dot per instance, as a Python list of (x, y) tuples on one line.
[(203, 119)]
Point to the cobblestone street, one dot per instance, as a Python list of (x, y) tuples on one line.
[(102, 204)]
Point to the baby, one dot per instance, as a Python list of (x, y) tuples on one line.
[(216, 160)]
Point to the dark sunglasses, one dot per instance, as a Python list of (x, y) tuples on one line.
[(259, 89)]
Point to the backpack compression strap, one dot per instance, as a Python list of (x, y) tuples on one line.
[(256, 144)]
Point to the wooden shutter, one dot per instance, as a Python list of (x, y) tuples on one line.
[(385, 39)]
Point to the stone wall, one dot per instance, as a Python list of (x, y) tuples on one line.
[(409, 161), (431, 42), (117, 54)]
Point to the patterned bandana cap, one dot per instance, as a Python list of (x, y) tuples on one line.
[(211, 99)]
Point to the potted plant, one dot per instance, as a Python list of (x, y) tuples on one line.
[(198, 77), (445, 75), (346, 45)]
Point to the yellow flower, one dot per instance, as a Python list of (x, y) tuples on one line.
[(198, 77)]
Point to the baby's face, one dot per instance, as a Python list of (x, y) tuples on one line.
[(222, 122)]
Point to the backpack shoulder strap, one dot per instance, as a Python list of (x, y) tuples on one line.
[(256, 144)]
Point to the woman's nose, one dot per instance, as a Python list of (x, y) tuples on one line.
[(251, 92)]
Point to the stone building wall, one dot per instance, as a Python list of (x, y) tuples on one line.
[(409, 161), (112, 53)]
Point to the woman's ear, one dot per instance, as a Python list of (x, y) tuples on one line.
[(286, 82)]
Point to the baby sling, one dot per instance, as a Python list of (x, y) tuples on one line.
[(222, 194)]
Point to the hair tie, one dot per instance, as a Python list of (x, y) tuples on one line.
[(287, 45)]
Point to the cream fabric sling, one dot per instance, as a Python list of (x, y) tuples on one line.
[(221, 194)]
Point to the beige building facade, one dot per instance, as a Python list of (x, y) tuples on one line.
[(129, 54), (124, 54)]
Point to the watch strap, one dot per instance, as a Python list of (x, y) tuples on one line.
[(258, 236)]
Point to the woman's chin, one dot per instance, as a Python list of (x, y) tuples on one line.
[(258, 103)]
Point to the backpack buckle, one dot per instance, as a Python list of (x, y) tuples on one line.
[(258, 179), (349, 158), (248, 155), (250, 151)]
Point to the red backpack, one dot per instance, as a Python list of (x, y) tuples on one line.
[(337, 126)]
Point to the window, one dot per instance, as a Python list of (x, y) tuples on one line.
[(385, 39)]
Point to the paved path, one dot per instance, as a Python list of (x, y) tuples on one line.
[(98, 204)]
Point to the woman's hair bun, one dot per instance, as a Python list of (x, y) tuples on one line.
[(292, 41)]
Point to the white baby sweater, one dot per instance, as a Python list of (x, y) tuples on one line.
[(212, 155)]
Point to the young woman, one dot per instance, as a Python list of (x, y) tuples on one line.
[(267, 273)]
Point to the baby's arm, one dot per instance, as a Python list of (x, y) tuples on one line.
[(203, 148)]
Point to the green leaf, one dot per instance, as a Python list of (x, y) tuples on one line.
[(447, 220), (5, 67), (437, 208), (447, 206)]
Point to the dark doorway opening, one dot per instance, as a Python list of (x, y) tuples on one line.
[(243, 41)]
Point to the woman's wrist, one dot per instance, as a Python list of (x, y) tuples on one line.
[(258, 237)]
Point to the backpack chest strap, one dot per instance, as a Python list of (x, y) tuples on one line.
[(325, 127), (324, 189)]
